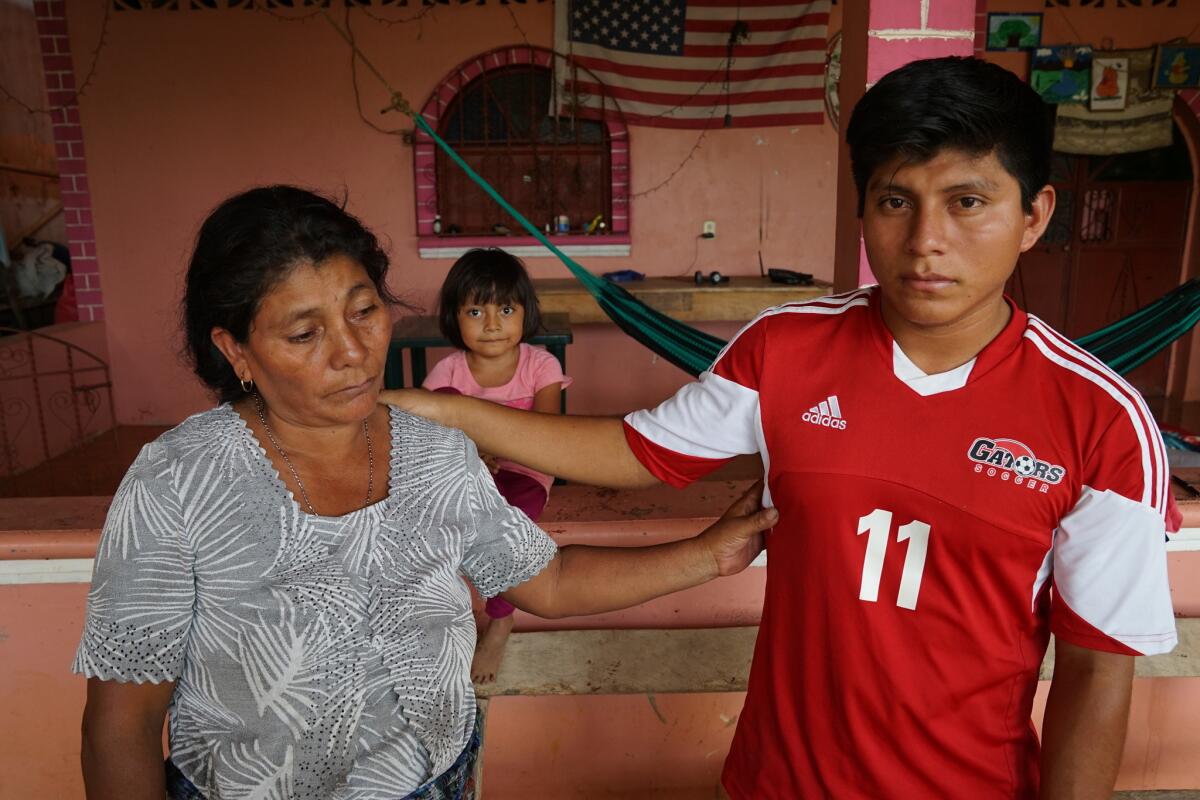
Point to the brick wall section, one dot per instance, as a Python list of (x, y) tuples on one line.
[(59, 72), (901, 31)]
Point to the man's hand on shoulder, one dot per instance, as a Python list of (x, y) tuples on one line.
[(421, 403)]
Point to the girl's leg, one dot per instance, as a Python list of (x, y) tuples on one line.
[(522, 491), (525, 493)]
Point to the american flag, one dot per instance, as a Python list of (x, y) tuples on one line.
[(666, 62)]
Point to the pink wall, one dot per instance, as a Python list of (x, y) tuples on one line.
[(191, 106)]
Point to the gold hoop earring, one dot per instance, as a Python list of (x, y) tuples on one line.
[(247, 386)]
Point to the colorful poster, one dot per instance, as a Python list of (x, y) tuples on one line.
[(1062, 74), (1177, 67), (1143, 124), (1014, 31), (1110, 83)]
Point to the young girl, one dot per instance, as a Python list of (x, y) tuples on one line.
[(488, 309)]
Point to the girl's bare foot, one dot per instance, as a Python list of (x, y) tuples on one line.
[(489, 649)]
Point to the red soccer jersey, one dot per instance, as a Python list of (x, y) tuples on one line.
[(924, 521)]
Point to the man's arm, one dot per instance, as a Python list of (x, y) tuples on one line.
[(1084, 729), (122, 751), (592, 580), (582, 449)]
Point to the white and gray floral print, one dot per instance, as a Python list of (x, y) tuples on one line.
[(313, 657)]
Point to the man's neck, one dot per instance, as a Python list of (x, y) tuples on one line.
[(940, 348)]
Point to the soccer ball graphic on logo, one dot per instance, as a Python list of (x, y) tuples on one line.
[(1023, 465)]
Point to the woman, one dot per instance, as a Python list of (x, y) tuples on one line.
[(282, 572)]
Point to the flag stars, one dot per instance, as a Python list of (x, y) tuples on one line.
[(639, 26)]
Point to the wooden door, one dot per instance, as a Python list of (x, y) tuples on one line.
[(1114, 245)]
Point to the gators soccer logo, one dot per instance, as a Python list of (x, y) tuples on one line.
[(1013, 456)]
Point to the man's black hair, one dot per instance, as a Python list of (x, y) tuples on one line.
[(249, 244), (486, 275), (951, 103)]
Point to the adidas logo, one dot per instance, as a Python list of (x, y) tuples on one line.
[(827, 414)]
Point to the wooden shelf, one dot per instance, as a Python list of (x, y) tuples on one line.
[(737, 301)]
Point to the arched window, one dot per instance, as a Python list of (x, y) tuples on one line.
[(496, 112)]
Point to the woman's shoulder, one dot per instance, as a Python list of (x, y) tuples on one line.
[(423, 443), (205, 432), (209, 429)]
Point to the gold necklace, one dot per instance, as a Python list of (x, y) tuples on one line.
[(260, 406)]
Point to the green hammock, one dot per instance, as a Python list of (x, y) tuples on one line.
[(1133, 340), (1124, 345), (686, 347)]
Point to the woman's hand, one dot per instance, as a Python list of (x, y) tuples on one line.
[(737, 537), (422, 403), (491, 462)]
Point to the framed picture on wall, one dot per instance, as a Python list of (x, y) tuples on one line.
[(1013, 31), (1062, 74), (1177, 66), (1110, 83)]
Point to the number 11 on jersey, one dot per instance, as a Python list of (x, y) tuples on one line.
[(878, 525)]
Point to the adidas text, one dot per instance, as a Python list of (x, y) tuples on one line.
[(827, 414), (824, 420)]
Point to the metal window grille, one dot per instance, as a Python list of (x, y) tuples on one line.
[(548, 166)]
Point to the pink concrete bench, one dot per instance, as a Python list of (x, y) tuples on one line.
[(659, 683)]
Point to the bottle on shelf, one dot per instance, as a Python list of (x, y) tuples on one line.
[(437, 224)]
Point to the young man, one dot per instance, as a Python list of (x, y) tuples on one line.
[(955, 481)]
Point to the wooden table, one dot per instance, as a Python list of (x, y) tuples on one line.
[(740, 300), (418, 333)]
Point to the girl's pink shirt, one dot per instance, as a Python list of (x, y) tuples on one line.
[(536, 369)]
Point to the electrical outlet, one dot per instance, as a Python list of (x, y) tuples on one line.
[(709, 230)]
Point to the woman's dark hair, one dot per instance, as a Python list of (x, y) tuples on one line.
[(486, 276), (952, 103), (245, 247)]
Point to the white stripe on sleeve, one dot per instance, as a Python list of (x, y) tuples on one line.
[(1110, 568), (711, 418)]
